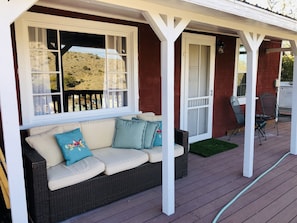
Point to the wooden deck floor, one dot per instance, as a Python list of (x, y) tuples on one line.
[(212, 182)]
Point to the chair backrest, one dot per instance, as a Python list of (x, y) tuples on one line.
[(268, 104), (237, 110)]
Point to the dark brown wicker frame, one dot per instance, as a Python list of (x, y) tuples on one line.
[(53, 206)]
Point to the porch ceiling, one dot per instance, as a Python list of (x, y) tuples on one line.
[(204, 20)]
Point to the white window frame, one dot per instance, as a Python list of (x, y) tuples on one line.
[(242, 100), (79, 25)]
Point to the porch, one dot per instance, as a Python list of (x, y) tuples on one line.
[(214, 181)]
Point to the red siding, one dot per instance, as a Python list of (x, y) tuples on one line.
[(223, 118), (150, 71), (268, 68)]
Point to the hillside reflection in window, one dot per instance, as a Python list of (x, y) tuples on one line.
[(74, 71)]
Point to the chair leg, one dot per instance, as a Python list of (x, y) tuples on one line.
[(231, 134), (260, 128), (234, 132), (259, 136)]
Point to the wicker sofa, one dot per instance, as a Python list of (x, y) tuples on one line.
[(48, 203)]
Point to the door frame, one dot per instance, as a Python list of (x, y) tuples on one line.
[(202, 40)]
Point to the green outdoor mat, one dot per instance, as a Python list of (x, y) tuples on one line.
[(211, 147)]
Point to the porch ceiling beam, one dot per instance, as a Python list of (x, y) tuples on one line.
[(248, 11), (9, 11), (168, 28), (252, 42), (287, 33), (293, 143)]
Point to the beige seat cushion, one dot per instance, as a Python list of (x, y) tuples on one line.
[(60, 176), (118, 160), (98, 133), (46, 145), (155, 154)]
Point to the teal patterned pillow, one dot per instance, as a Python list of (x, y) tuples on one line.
[(73, 146), (158, 137)]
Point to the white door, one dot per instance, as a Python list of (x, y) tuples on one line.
[(198, 56)]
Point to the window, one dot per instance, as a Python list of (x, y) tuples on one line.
[(240, 72), (76, 71)]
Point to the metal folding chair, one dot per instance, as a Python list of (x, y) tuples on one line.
[(240, 118), (269, 108)]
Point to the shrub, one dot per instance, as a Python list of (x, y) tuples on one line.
[(287, 67)]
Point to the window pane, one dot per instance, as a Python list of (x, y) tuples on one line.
[(116, 63), (40, 38), (241, 85), (44, 105), (116, 44), (115, 99), (241, 72), (43, 50), (44, 83), (83, 60), (43, 61), (117, 82)]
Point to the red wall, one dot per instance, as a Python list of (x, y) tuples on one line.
[(223, 118), (266, 72), (268, 68), (150, 71)]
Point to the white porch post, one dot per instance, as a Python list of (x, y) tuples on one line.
[(167, 28), (9, 11), (167, 74), (293, 143), (252, 43)]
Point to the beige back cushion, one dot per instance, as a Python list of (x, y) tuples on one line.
[(151, 118), (42, 139), (40, 129), (98, 133), (145, 115), (45, 144)]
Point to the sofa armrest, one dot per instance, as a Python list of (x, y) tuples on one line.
[(36, 184), (181, 163), (182, 138)]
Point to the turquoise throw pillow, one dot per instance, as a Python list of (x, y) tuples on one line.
[(129, 134), (150, 134), (158, 137), (73, 146)]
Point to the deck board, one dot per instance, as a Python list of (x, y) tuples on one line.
[(212, 182)]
